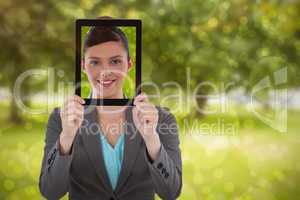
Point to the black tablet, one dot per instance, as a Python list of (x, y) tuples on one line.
[(108, 61)]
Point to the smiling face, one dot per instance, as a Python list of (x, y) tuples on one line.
[(106, 65)]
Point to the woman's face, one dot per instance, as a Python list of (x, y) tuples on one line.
[(106, 66)]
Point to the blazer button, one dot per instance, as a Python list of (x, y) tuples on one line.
[(166, 175), (159, 165), (163, 170)]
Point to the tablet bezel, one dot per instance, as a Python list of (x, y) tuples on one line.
[(108, 22)]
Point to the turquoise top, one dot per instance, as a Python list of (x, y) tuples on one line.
[(113, 158)]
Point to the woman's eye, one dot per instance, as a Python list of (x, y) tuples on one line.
[(93, 62), (116, 61)]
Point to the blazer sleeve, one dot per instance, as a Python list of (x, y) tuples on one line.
[(166, 169), (54, 176)]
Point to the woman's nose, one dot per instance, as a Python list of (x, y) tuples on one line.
[(106, 73)]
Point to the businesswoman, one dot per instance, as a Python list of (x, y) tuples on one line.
[(110, 152)]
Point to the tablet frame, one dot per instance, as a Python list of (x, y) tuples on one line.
[(108, 22)]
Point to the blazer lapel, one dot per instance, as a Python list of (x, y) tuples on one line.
[(133, 141), (91, 140), (90, 134)]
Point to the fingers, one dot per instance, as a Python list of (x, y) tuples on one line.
[(142, 103), (146, 123), (146, 112), (146, 107), (73, 108), (73, 119), (73, 98), (73, 105), (78, 99), (141, 98), (144, 119), (148, 119), (75, 112)]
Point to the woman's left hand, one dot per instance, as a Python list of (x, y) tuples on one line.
[(145, 117)]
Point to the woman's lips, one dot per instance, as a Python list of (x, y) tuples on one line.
[(106, 83)]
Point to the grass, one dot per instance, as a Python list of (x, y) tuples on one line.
[(256, 162)]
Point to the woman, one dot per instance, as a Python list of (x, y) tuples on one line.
[(110, 152)]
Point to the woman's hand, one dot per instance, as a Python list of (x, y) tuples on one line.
[(145, 117), (71, 115)]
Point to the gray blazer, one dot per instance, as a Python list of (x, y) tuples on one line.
[(82, 173)]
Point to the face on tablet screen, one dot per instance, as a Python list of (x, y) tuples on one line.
[(108, 62)]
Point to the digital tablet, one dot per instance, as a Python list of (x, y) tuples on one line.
[(108, 61)]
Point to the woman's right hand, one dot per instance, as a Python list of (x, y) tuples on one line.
[(71, 115)]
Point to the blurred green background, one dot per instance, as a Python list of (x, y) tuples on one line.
[(236, 150)]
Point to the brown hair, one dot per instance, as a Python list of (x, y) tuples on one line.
[(100, 34)]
